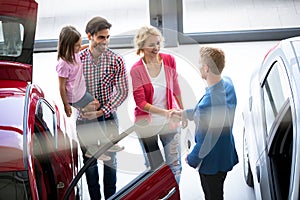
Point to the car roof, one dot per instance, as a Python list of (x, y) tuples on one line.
[(283, 45), (287, 50)]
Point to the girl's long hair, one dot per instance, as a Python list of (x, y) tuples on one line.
[(68, 37)]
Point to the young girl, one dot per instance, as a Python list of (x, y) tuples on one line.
[(70, 73), (72, 82)]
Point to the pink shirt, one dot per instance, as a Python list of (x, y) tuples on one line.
[(75, 84), (143, 89)]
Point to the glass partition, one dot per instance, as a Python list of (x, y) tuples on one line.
[(233, 15), (124, 16)]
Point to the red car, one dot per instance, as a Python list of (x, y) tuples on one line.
[(39, 150), (38, 158)]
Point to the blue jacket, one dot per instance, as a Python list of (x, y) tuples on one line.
[(213, 117)]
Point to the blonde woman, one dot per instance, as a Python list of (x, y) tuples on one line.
[(156, 93)]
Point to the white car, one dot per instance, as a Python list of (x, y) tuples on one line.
[(272, 124)]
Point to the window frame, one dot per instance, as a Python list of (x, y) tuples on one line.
[(49, 126), (278, 64)]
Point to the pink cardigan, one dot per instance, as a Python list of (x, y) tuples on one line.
[(143, 89)]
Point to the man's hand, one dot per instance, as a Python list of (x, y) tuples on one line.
[(184, 122), (92, 114), (92, 106), (172, 117), (178, 114), (175, 114), (186, 160)]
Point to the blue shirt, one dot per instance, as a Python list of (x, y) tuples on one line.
[(213, 116)]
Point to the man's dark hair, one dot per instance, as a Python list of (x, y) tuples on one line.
[(97, 24)]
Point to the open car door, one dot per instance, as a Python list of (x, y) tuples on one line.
[(154, 182)]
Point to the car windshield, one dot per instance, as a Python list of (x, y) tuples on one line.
[(11, 37)]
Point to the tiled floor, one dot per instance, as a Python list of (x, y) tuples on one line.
[(241, 60)]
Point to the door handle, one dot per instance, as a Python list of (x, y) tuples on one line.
[(171, 192)]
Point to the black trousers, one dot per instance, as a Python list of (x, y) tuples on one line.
[(213, 185)]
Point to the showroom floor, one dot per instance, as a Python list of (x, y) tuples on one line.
[(241, 60)]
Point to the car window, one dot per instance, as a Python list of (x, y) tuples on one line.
[(46, 116), (275, 92), (11, 38)]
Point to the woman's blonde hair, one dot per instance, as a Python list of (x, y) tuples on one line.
[(143, 34)]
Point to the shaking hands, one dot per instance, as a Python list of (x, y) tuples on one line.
[(178, 116)]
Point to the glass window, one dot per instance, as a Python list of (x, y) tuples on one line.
[(11, 38), (46, 116), (232, 15), (124, 16), (275, 91)]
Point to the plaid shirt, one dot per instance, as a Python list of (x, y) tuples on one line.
[(107, 80)]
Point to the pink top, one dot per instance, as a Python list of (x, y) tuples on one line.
[(143, 90), (75, 84)]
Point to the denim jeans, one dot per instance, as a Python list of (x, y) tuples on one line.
[(108, 125), (109, 178), (84, 101), (170, 140), (172, 150)]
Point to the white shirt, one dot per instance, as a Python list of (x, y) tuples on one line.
[(159, 97)]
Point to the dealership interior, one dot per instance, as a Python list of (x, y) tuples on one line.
[(244, 29)]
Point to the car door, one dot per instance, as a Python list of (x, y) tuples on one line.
[(53, 158), (154, 180), (156, 184), (135, 178), (274, 164)]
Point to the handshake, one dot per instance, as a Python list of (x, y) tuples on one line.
[(177, 115)]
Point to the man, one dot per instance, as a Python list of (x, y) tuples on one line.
[(106, 79), (214, 153)]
